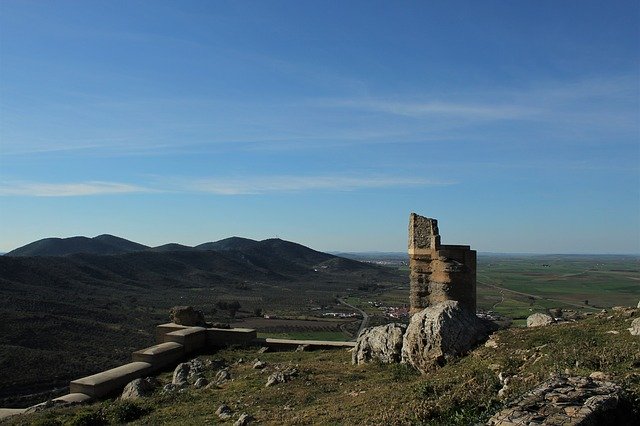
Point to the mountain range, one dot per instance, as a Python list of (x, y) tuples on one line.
[(70, 307), (106, 244)]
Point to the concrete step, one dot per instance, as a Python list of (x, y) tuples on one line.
[(291, 344), (222, 337), (110, 381), (192, 338), (161, 355)]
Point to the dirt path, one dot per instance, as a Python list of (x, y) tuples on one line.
[(365, 317)]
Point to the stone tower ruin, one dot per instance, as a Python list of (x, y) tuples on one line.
[(439, 272)]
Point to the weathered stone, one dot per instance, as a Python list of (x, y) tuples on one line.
[(438, 272), (539, 320), (187, 315), (439, 333), (565, 401), (382, 343), (139, 388), (635, 327), (244, 420), (281, 377), (181, 374), (222, 376), (200, 383), (259, 365), (224, 412)]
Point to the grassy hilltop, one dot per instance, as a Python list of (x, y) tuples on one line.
[(329, 390)]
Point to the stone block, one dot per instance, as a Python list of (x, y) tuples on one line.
[(163, 329), (191, 338), (160, 355), (222, 337), (110, 381), (73, 398)]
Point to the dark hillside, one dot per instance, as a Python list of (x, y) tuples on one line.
[(171, 247), (231, 243), (102, 244), (67, 316)]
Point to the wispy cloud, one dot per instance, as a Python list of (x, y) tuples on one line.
[(39, 189), (218, 186), (437, 108), (275, 184)]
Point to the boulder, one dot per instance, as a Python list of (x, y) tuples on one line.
[(566, 401), (382, 343), (200, 383), (222, 376), (539, 320), (181, 374), (187, 315), (438, 333), (259, 365), (281, 377), (635, 327), (224, 412), (243, 420), (139, 388)]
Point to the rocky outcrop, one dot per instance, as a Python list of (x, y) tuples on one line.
[(187, 315), (565, 401), (140, 388), (635, 327), (382, 343), (281, 377), (539, 320), (244, 420), (181, 374), (440, 333)]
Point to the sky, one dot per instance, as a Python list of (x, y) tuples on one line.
[(516, 124)]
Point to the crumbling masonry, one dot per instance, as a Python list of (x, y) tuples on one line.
[(439, 272)]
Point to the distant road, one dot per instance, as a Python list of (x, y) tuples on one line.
[(365, 317), (503, 289)]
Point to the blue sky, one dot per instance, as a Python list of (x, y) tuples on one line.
[(514, 123)]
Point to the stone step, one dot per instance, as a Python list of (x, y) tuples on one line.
[(192, 338), (289, 344), (110, 381), (160, 355), (222, 337)]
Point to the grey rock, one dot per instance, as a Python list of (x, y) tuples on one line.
[(200, 383), (224, 412), (222, 376), (439, 333), (244, 420), (169, 388), (302, 348), (139, 388), (187, 315), (281, 377), (635, 327), (565, 401), (181, 374), (539, 320), (382, 343), (259, 365)]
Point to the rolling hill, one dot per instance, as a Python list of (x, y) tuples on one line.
[(91, 310), (102, 244)]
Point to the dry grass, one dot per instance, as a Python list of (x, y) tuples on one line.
[(329, 390)]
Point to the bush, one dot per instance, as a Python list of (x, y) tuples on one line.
[(126, 411)]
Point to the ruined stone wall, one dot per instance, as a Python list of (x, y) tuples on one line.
[(439, 272)]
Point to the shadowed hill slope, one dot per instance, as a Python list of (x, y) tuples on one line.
[(102, 244), (92, 310), (231, 243)]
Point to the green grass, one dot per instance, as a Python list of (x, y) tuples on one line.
[(308, 335), (329, 390)]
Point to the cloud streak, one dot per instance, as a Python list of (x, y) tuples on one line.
[(40, 189), (253, 185)]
